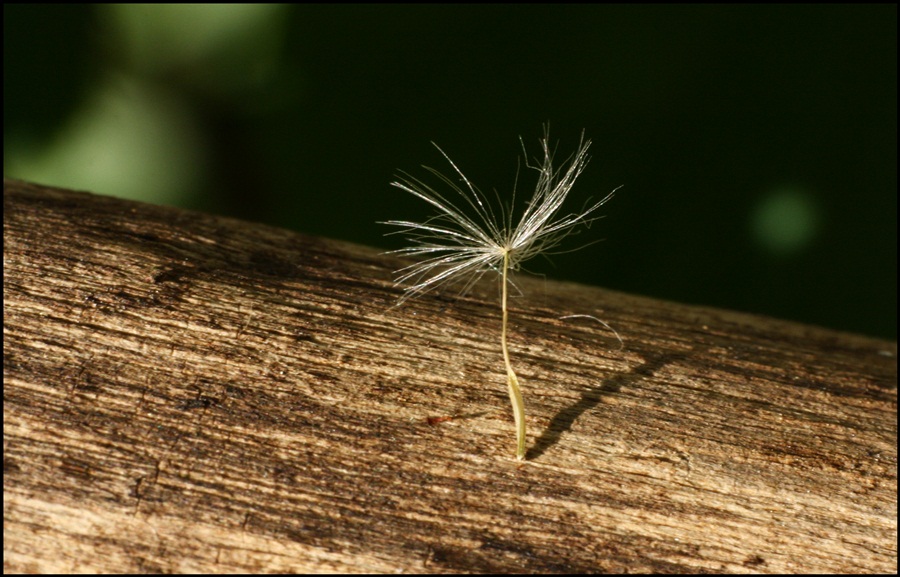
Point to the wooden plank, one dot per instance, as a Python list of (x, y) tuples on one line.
[(184, 392)]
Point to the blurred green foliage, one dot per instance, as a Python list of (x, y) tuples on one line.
[(757, 145)]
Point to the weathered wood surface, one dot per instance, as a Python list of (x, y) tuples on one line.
[(184, 392)]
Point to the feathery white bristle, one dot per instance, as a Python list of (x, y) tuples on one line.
[(469, 237)]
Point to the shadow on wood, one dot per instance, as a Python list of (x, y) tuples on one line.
[(188, 393)]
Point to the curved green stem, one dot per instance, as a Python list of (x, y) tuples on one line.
[(515, 394)]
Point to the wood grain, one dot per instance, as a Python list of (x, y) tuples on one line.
[(184, 392)]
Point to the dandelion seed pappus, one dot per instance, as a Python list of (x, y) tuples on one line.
[(472, 234)]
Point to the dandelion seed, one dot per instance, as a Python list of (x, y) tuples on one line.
[(470, 236)]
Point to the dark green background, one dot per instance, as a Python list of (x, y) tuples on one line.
[(702, 113)]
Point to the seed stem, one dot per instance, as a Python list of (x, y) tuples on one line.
[(515, 394)]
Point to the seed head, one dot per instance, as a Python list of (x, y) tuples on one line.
[(469, 235)]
